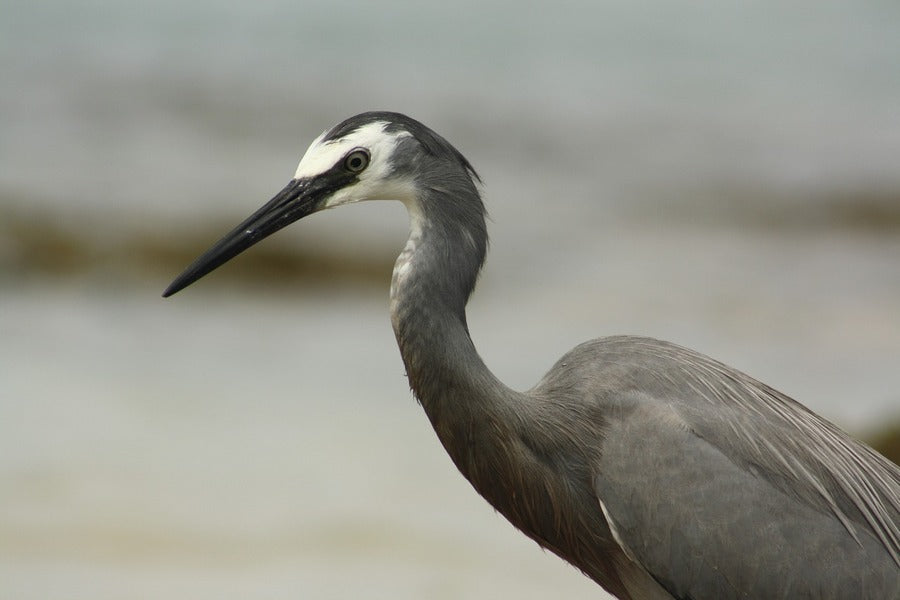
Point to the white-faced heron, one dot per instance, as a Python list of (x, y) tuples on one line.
[(657, 471)]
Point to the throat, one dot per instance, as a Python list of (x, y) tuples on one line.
[(430, 285), (463, 400), (474, 415), (402, 269)]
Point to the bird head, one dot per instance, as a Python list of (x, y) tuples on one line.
[(372, 156)]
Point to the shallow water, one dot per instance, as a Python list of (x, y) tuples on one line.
[(141, 458)]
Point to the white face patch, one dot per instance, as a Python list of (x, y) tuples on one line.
[(313, 161), (374, 182)]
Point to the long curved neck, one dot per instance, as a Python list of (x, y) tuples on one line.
[(431, 283)]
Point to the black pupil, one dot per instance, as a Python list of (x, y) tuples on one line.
[(356, 162)]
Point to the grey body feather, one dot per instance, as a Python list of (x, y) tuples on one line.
[(721, 487)]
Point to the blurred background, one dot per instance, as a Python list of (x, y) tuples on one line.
[(723, 176)]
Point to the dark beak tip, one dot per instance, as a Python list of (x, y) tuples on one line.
[(171, 290), (189, 276)]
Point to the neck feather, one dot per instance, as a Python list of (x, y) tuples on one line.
[(431, 283), (477, 418)]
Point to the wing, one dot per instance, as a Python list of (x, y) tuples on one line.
[(720, 486), (707, 527)]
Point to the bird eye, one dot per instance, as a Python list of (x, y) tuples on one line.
[(356, 161)]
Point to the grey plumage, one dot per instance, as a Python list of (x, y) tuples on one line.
[(657, 471)]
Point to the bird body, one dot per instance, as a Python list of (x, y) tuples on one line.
[(721, 487), (657, 471)]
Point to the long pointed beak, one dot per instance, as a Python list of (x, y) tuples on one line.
[(298, 199)]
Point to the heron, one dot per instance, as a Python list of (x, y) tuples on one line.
[(657, 471)]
